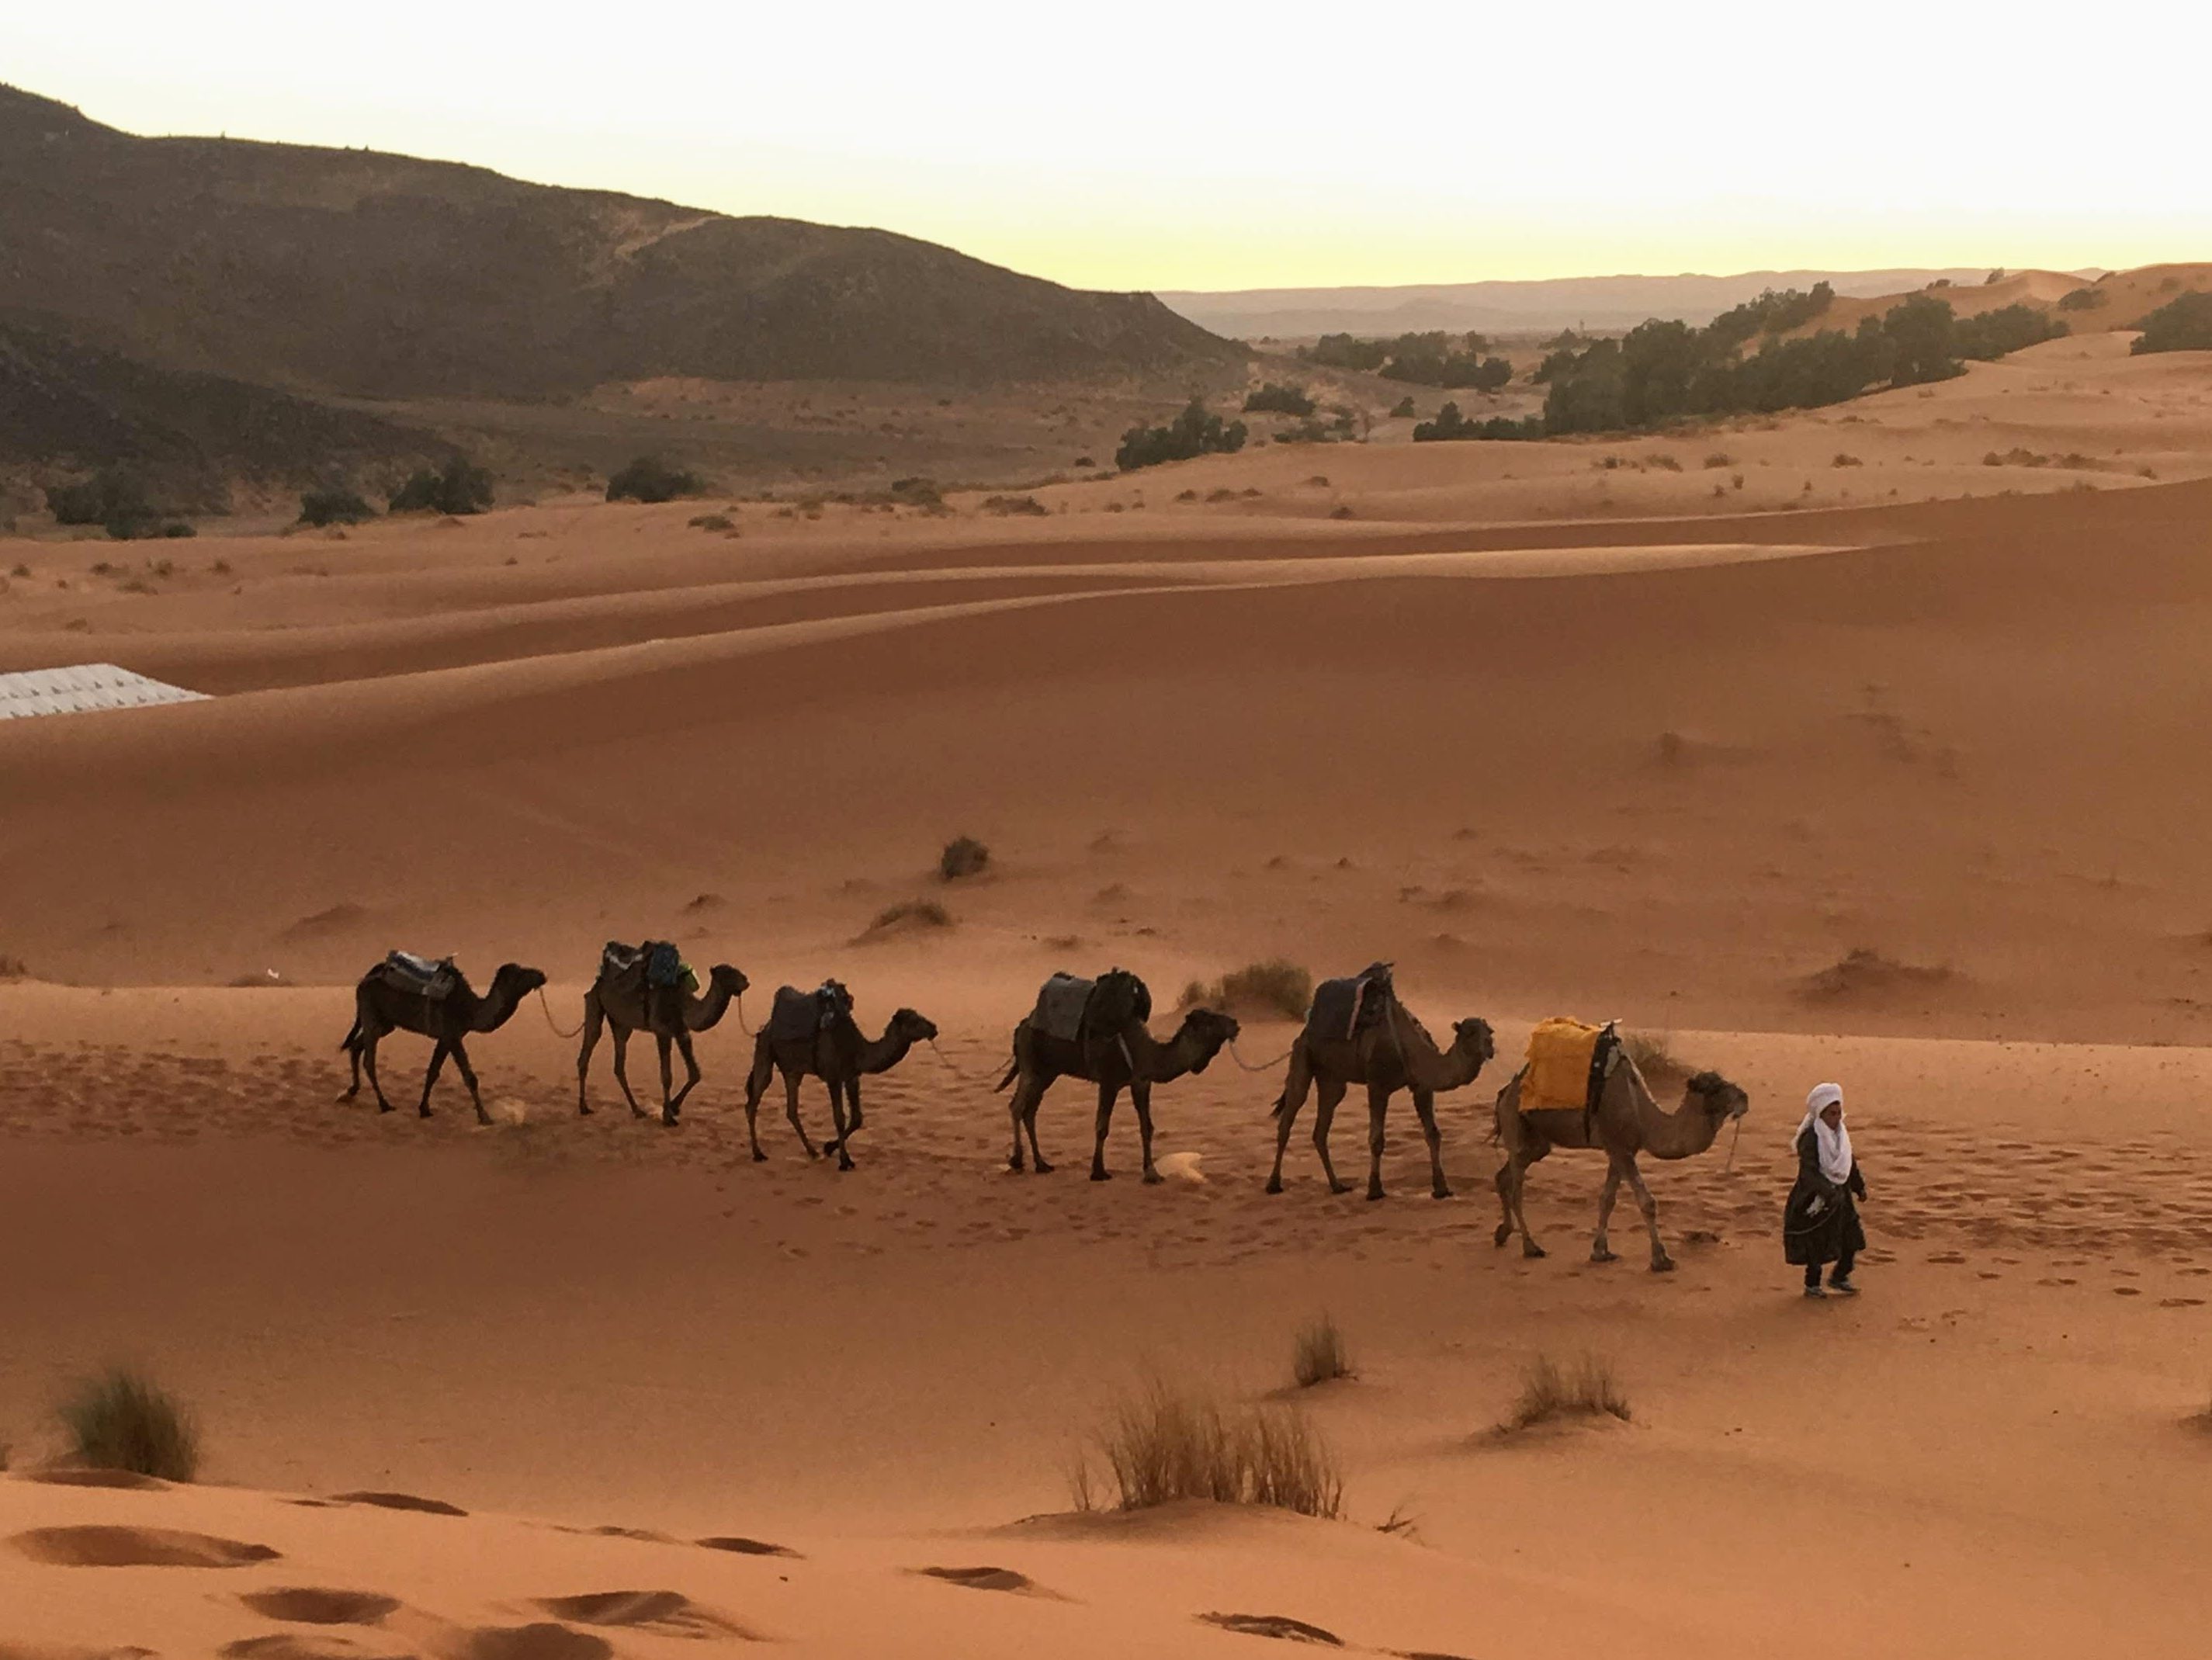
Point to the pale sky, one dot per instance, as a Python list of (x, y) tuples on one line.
[(1147, 145)]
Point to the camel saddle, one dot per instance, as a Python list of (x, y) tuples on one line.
[(432, 978), (1568, 1066), (1342, 1009), (1074, 1009), (657, 962), (797, 1017)]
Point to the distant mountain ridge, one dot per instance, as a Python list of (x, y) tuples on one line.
[(325, 272), (1546, 305)]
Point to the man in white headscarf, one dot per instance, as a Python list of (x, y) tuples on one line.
[(1820, 1223)]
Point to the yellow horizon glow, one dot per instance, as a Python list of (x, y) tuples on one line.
[(1167, 147)]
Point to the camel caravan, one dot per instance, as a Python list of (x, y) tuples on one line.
[(1578, 1088)]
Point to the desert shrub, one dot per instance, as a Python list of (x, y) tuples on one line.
[(1319, 1354), (115, 501), (2087, 298), (720, 521), (1776, 310), (121, 1420), (1345, 351), (1664, 464), (1275, 987), (334, 505), (1192, 432), (1450, 426), (1402, 409), (1550, 1392), (1719, 458), (909, 914), (1994, 333), (13, 968), (2180, 324), (1164, 1443), (924, 492), (458, 488), (1280, 400), (1844, 459), (650, 479), (1015, 507), (963, 856)]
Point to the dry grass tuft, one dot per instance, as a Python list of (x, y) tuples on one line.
[(1274, 986), (1653, 1055), (907, 916), (963, 856), (1551, 1392), (14, 968), (1166, 1444), (121, 1420), (1319, 1354)]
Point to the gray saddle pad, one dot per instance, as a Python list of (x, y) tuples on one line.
[(433, 977), (796, 1015), (1060, 1006), (1344, 1008), (1073, 1009), (617, 958)]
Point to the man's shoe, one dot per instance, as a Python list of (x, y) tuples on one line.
[(1814, 1292), (1843, 1287)]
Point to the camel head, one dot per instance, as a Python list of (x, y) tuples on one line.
[(1722, 1099), (1211, 1030), (724, 978), (517, 981), (1472, 1037), (912, 1027)]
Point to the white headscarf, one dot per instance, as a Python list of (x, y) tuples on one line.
[(1835, 1145)]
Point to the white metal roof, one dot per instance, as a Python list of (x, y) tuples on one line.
[(83, 687)]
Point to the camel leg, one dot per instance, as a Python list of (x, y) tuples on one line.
[(1328, 1093), (791, 1111), (1296, 1083), (1106, 1094), (757, 1083), (594, 1017), (368, 1042), (845, 1114), (662, 1045), (1378, 1109), (691, 1076), (1029, 1123), (1140, 1095), (469, 1077), (1014, 1118), (1599, 1250), (429, 1078), (621, 1069), (1513, 1189), (1661, 1262), (1425, 1104)]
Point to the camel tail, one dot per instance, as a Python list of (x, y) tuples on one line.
[(1282, 1104), (352, 1039), (1014, 1068)]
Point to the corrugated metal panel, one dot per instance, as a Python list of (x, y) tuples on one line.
[(82, 687)]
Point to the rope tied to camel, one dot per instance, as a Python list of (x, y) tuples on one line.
[(548, 1010), (965, 1076), (1265, 1066)]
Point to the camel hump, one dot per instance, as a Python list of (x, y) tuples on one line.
[(1568, 1065), (796, 1015), (430, 977)]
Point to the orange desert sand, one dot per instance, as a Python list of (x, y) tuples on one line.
[(1833, 774)]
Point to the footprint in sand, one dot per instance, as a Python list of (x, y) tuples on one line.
[(406, 1501), (2127, 1290), (128, 1480), (100, 1546), (989, 1578), (315, 1605), (544, 1640), (294, 1645), (1279, 1626), (662, 1613), (743, 1547), (2181, 1302)]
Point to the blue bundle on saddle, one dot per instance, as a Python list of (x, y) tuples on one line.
[(660, 964)]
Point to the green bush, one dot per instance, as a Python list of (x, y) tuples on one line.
[(1192, 432), (1994, 333), (1280, 400), (2087, 298), (334, 505), (458, 489), (121, 1420), (1451, 424), (1404, 408), (646, 480), (963, 856), (118, 501), (2181, 324)]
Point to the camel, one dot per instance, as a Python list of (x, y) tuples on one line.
[(623, 1000), (1626, 1122), (1132, 1059), (1396, 1053), (381, 1009), (840, 1055)]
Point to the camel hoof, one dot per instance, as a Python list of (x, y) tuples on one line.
[(844, 1164), (582, 1111), (759, 1157), (1440, 1193), (1505, 1231), (1601, 1254), (1154, 1178), (1043, 1169), (1339, 1186), (1662, 1265), (1274, 1184), (670, 1120), (1373, 1195), (1097, 1175), (1532, 1251)]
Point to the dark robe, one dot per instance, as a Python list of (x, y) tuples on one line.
[(1808, 1240)]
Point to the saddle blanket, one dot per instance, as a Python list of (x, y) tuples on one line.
[(796, 1015), (430, 977), (1568, 1064), (1344, 1008), (661, 963), (1071, 1008)]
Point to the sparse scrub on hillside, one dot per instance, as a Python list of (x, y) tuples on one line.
[(907, 916), (1275, 987), (651, 480), (1450, 426), (1015, 507), (1279, 400), (1550, 1393), (1435, 358), (335, 504), (1403, 409), (1193, 433), (2088, 298), (925, 494), (121, 1420), (1995, 333), (2180, 324), (1167, 1444), (1319, 1354), (963, 856), (457, 490), (119, 502), (713, 521)]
